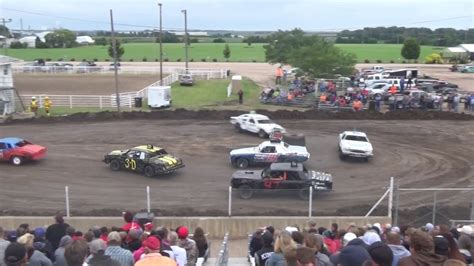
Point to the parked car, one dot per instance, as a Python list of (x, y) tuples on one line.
[(291, 176), (467, 69), (87, 66), (18, 151), (255, 123), (186, 80)]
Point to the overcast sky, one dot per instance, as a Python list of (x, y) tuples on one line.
[(310, 15)]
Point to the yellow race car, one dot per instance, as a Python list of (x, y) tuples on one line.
[(146, 159)]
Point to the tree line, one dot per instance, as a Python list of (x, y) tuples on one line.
[(395, 35)]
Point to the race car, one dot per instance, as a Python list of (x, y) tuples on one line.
[(146, 159), (355, 144), (280, 176), (255, 123), (268, 152), (17, 151)]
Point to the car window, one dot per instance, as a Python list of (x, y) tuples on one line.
[(22, 143), (356, 138), (293, 176), (252, 121), (268, 149), (265, 121), (142, 155), (131, 153), (3, 146)]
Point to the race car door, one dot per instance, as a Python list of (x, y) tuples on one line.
[(251, 126), (267, 154)]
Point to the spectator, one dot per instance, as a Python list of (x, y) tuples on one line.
[(97, 249), (453, 251), (104, 232), (330, 242), (240, 93), (348, 237), (290, 256), (351, 256), (297, 237), (3, 245), (188, 244), (471, 101), (256, 242), (465, 247), (56, 231), (312, 226), (283, 242), (201, 242), (371, 237), (263, 254), (279, 75), (153, 256), (129, 223), (59, 258), (312, 242), (41, 244), (35, 257), (162, 233), (381, 254), (76, 253), (178, 252), (133, 240), (456, 100), (394, 243), (123, 256), (422, 251), (70, 231), (15, 255), (305, 257)]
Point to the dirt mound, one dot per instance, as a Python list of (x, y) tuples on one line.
[(179, 114)]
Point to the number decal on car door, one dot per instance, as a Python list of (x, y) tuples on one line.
[(130, 164)]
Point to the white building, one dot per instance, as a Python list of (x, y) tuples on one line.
[(463, 50), (85, 40), (29, 40)]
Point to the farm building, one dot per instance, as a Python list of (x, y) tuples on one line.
[(84, 40), (463, 50), (7, 93)]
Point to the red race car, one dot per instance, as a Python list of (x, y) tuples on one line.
[(17, 151)]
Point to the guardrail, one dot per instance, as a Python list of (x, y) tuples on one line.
[(223, 257)]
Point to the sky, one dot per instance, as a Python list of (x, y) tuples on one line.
[(239, 15)]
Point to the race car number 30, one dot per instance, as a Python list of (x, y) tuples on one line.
[(130, 164)]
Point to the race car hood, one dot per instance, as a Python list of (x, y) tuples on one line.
[(167, 160), (116, 152), (241, 151), (269, 127), (356, 145), (300, 150), (32, 149), (249, 174)]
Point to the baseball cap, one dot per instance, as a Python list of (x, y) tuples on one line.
[(380, 253), (441, 245), (40, 232), (14, 253), (152, 243), (114, 237), (466, 229), (96, 246), (348, 237), (351, 256), (182, 232)]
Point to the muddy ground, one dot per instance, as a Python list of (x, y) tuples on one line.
[(436, 153)]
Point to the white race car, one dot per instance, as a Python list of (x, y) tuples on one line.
[(355, 144), (255, 123)]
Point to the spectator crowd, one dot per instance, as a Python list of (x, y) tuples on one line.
[(369, 245), (132, 244)]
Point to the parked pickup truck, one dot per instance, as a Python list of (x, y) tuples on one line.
[(255, 123)]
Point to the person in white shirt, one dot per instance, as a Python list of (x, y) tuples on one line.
[(179, 253)]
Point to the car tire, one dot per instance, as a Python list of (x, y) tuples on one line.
[(341, 155), (245, 192), (148, 171), (115, 165), (367, 159), (17, 160), (242, 163), (262, 134), (238, 128), (304, 193)]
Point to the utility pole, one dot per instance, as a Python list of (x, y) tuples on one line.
[(185, 37), (114, 48), (4, 21), (161, 47)]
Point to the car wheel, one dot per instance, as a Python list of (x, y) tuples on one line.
[(242, 163), (304, 193), (245, 191), (367, 159), (238, 128), (149, 171), (262, 134), (341, 155), (114, 165), (17, 160)]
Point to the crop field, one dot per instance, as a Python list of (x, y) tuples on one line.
[(240, 52)]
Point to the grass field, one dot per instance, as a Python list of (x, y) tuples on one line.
[(240, 52)]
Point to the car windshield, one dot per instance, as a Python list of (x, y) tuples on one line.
[(356, 138), (22, 143), (265, 121)]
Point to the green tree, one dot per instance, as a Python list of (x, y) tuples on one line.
[(434, 58), (218, 40), (249, 42), (5, 31), (118, 47), (312, 54), (39, 44), (226, 52), (101, 41), (410, 49), (61, 38)]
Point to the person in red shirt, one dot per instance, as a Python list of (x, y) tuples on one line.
[(129, 223)]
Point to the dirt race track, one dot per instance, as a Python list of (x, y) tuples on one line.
[(418, 153)]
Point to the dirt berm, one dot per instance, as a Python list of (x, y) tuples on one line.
[(179, 114)]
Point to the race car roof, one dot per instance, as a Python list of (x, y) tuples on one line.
[(355, 133), (148, 148), (10, 140)]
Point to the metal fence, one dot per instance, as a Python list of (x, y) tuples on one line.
[(223, 257)]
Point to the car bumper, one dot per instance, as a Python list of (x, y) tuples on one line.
[(357, 154), (170, 169), (38, 156)]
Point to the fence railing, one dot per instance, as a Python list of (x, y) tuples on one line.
[(223, 256)]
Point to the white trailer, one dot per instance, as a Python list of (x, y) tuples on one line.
[(159, 96)]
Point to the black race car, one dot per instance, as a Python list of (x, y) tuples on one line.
[(145, 159), (280, 176)]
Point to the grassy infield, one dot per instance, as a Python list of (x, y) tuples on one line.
[(212, 94)]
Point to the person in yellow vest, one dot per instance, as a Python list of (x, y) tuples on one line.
[(34, 105), (47, 105)]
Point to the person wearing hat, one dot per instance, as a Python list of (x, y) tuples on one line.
[(188, 244), (15, 255), (422, 249), (34, 105), (123, 256), (178, 252), (97, 249), (47, 105), (60, 259), (381, 254), (351, 256), (35, 257), (153, 256)]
